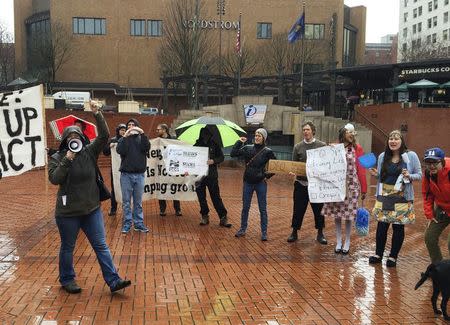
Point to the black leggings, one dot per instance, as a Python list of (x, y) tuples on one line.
[(398, 236)]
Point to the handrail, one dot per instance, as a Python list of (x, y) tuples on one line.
[(371, 123)]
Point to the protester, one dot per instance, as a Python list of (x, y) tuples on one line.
[(78, 204), (120, 131), (397, 168), (211, 181), (301, 197), (436, 200), (162, 131), (256, 157), (356, 186), (133, 148), (82, 125)]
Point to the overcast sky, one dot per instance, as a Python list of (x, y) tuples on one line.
[(382, 16)]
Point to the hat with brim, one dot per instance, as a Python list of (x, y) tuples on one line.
[(434, 154)]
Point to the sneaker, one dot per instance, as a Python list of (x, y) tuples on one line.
[(224, 222), (178, 213), (293, 237), (321, 238), (204, 220), (141, 228), (121, 284), (240, 233), (72, 287), (126, 228)]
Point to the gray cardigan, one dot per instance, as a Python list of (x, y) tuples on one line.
[(414, 169)]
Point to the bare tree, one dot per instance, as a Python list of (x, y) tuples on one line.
[(246, 64), (278, 55), (49, 52), (186, 48), (415, 51), (6, 56)]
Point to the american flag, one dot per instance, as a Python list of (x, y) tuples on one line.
[(238, 39)]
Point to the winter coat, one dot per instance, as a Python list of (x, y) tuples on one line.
[(436, 192), (114, 139), (133, 151), (78, 193), (256, 157)]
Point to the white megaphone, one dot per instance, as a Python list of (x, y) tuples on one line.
[(75, 145)]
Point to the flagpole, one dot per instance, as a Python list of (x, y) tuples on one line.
[(239, 54), (303, 60)]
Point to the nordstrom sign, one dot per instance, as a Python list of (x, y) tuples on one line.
[(211, 24)]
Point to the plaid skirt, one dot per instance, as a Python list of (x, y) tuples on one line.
[(392, 207)]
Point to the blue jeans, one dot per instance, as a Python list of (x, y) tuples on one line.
[(132, 185), (94, 229), (261, 193)]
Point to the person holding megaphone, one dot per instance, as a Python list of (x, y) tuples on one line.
[(73, 168)]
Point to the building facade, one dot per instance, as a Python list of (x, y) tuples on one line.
[(423, 24), (118, 43), (382, 53)]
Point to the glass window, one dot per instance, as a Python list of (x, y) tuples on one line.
[(428, 39), (155, 28), (429, 22), (89, 26), (414, 28), (405, 3), (314, 31), (419, 27), (446, 2), (445, 35), (435, 4), (137, 27), (415, 13), (434, 38), (419, 41), (405, 17), (405, 32), (420, 11), (430, 6), (264, 30), (404, 47), (446, 17), (435, 21)]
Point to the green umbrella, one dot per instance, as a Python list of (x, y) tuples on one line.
[(424, 83), (402, 88), (446, 85), (225, 132)]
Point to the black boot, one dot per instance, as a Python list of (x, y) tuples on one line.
[(321, 238), (204, 220), (224, 222), (293, 237)]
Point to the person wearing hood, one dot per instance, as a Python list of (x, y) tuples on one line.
[(78, 203), (162, 131), (211, 181), (133, 149), (256, 157), (120, 131)]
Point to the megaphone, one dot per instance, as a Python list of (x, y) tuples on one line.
[(75, 145)]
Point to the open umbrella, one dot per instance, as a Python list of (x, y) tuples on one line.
[(445, 85), (225, 132), (422, 84), (402, 88), (58, 126)]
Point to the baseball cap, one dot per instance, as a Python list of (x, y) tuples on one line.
[(434, 154)]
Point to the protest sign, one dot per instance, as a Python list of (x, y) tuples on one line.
[(286, 167), (182, 159), (158, 184), (326, 169), (22, 140)]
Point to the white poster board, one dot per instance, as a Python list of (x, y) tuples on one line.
[(158, 183), (326, 169), (255, 114), (22, 138), (182, 159)]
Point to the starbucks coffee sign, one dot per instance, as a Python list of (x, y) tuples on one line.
[(211, 24), (428, 70)]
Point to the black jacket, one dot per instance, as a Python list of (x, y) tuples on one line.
[(114, 139), (215, 152), (256, 157), (133, 151), (78, 192)]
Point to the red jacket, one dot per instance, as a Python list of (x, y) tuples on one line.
[(437, 192), (359, 151)]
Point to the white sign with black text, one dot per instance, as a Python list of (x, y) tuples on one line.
[(182, 159), (326, 169)]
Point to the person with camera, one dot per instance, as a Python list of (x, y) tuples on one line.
[(133, 148), (436, 199), (73, 168)]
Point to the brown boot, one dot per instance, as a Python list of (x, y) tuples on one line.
[(204, 220)]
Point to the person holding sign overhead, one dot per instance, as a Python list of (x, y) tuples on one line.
[(356, 186), (301, 197)]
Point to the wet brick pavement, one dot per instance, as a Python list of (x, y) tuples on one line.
[(186, 274)]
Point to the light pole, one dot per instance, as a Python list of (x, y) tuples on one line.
[(220, 12)]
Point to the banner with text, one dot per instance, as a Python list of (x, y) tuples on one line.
[(182, 159), (22, 139), (158, 183), (326, 169)]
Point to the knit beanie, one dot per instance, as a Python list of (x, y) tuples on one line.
[(263, 132)]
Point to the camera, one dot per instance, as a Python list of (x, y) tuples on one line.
[(75, 145)]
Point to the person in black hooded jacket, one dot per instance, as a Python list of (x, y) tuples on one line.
[(78, 204), (120, 131), (211, 181), (256, 157)]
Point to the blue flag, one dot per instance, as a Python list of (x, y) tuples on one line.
[(298, 30)]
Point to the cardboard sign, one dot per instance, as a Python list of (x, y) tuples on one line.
[(286, 166)]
